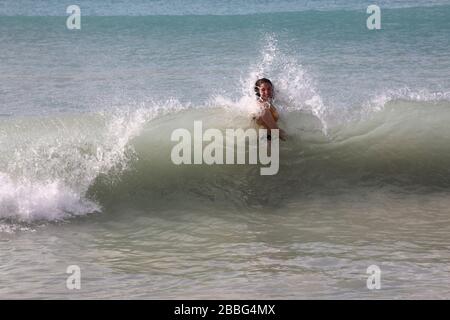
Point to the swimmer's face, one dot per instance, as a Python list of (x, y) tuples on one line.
[(265, 91)]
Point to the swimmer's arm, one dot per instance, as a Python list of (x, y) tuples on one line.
[(267, 118), (275, 113)]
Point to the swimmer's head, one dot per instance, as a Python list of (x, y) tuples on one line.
[(264, 89)]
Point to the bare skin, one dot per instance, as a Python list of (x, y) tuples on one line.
[(269, 116)]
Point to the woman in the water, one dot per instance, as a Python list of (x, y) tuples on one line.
[(268, 115)]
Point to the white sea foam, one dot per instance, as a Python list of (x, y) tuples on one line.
[(378, 102), (32, 200), (50, 169)]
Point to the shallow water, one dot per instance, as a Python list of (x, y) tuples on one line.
[(315, 248)]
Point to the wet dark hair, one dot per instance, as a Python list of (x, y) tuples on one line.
[(259, 82)]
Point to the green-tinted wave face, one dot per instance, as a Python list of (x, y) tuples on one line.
[(404, 146), (103, 160)]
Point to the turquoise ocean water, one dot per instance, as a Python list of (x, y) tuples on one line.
[(85, 171)]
